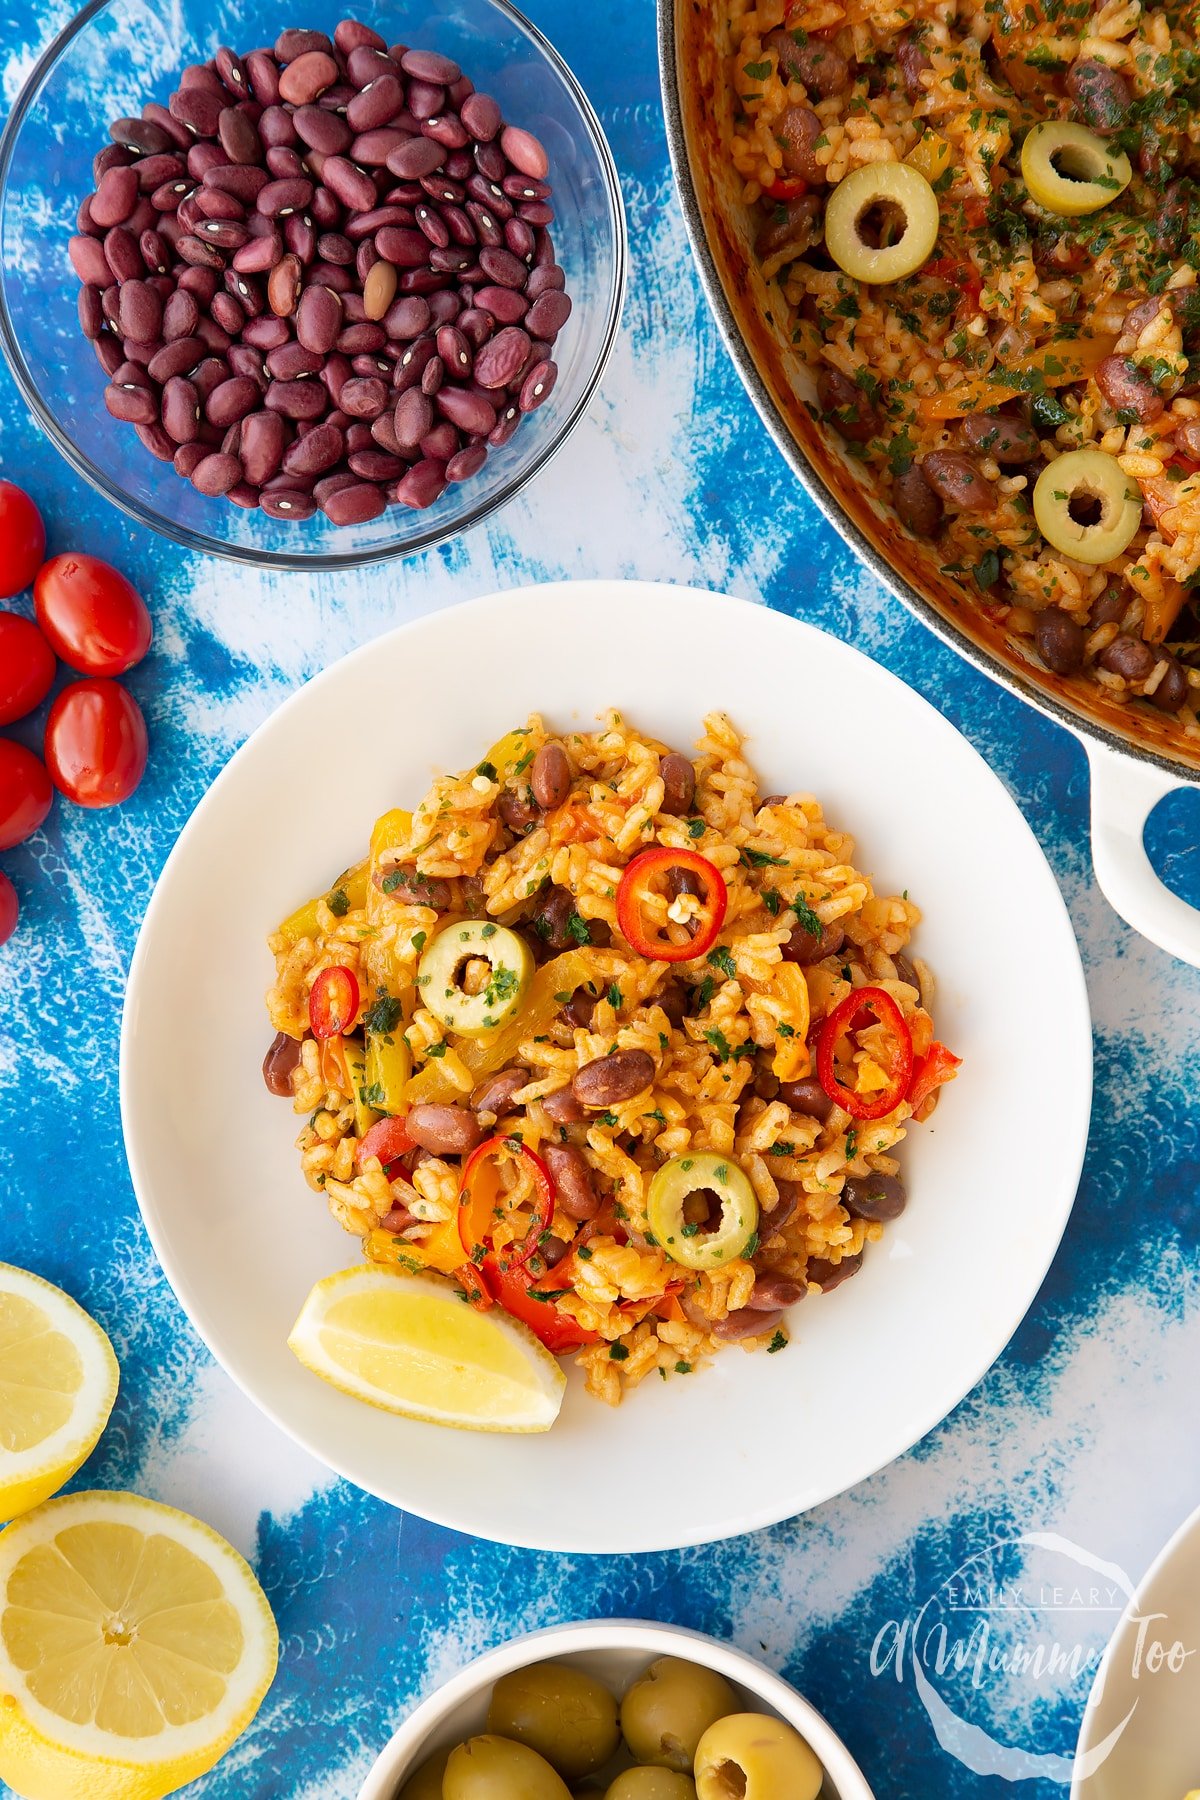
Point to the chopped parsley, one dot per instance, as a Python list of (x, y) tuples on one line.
[(782, 1148), (696, 828), (614, 996), (771, 899), (488, 770), (721, 959), (759, 859), (338, 903), (778, 1342), (806, 917), (502, 985), (577, 927), (382, 1017), (617, 1352)]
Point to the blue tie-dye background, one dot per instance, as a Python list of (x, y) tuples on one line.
[(1086, 1428)]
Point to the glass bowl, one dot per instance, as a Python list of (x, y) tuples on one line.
[(116, 55)]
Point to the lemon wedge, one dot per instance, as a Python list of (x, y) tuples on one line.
[(135, 1646), (58, 1381), (407, 1343)]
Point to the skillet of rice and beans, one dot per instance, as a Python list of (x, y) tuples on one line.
[(983, 216), (613, 1043)]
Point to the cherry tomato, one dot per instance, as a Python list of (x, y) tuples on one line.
[(22, 540), (8, 909), (27, 667), (95, 619), (25, 793), (387, 1139), (333, 1002), (96, 743)]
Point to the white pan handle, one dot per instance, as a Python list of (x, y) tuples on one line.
[(1124, 794)]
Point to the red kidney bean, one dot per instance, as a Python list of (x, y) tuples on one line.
[(180, 409), (216, 474), (746, 1323), (772, 1293), (175, 358), (576, 1193), (156, 441), (611, 1080), (232, 400), (316, 452), (290, 503), (307, 77), (1060, 641), (363, 397), (548, 314), (468, 411), (481, 116), (538, 386), (440, 442), (131, 403), (424, 483), (412, 418), (465, 463), (524, 152), (115, 198), (829, 1275), (123, 255), (297, 399), (957, 480), (319, 319)]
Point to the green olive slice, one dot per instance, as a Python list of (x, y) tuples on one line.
[(439, 971), (1070, 171), (1087, 506), (679, 1205), (891, 203)]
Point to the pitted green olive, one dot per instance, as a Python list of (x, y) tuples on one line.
[(750, 1756), (425, 1783), (652, 1784), (680, 1203), (667, 1711), (567, 1716), (495, 1768), (1086, 506), (1070, 170), (881, 222), (500, 992)]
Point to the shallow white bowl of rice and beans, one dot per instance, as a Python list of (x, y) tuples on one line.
[(615, 1709), (946, 1206)]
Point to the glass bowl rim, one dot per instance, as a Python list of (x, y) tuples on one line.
[(322, 561)]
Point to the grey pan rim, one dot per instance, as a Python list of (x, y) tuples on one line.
[(325, 561), (1075, 722)]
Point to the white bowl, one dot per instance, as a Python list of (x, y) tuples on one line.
[(615, 1651), (991, 1178), (1139, 1738)]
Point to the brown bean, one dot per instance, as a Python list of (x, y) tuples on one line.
[(806, 1097), (917, 506), (790, 226), (518, 809), (1007, 440), (319, 319), (1060, 641), (784, 1210), (443, 1130), (1171, 223), (1187, 438), (796, 131), (1128, 389), (772, 1291), (283, 286), (379, 289), (563, 1107), (804, 946), (279, 1062), (550, 776), (956, 479), (818, 64), (1174, 690), (1110, 606), (574, 1182), (746, 1324), (875, 1197), (829, 1275), (495, 1094), (679, 783), (913, 64), (1128, 656), (549, 919), (1101, 95), (579, 1010), (305, 79), (415, 889), (845, 406), (613, 1079)]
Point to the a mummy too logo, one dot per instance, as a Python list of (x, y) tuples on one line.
[(1003, 1655)]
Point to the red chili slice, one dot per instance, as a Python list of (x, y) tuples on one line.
[(637, 883), (474, 1288), (938, 1065), (786, 187), (479, 1195), (333, 1002), (387, 1139), (517, 1291), (845, 1018)]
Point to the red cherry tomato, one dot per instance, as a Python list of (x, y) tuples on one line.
[(22, 540), (95, 619), (387, 1139), (25, 793), (27, 667), (8, 909), (96, 743), (333, 1002)]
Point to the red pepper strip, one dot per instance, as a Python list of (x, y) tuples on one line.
[(479, 1196), (962, 275), (938, 1065), (474, 1288), (515, 1290), (333, 1002), (387, 1139), (636, 885), (843, 1019), (786, 187)]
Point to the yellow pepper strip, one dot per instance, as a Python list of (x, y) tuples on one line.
[(388, 1070), (1055, 365), (356, 1068), (390, 830), (931, 157), (791, 1060), (441, 1250), (303, 922), (1162, 610), (483, 1055), (509, 750)]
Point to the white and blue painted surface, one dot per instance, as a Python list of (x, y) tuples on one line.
[(1085, 1428)]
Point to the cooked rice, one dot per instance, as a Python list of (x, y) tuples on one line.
[(716, 1074)]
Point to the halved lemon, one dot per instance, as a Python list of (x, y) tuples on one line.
[(135, 1646), (58, 1381), (407, 1343)]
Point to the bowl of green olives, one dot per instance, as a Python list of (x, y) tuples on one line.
[(615, 1709)]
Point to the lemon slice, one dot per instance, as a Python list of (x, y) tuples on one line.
[(135, 1646), (409, 1344), (58, 1381)]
